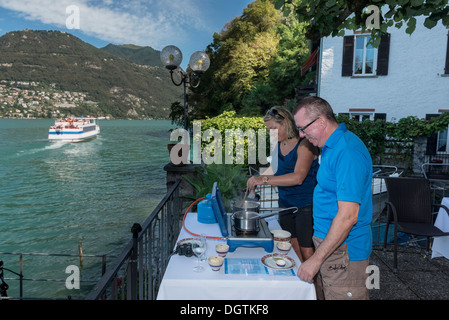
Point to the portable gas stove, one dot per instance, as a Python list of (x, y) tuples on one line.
[(234, 237)]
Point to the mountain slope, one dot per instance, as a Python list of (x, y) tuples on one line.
[(136, 54), (119, 87)]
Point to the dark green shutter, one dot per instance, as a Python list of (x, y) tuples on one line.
[(446, 67), (383, 55), (431, 148), (348, 56)]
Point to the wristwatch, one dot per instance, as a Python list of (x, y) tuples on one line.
[(265, 180)]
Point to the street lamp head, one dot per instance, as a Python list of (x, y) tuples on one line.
[(171, 57), (199, 62)]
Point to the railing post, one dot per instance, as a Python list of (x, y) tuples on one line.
[(135, 229), (21, 276)]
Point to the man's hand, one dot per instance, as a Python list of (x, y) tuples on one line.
[(338, 232), (309, 268)]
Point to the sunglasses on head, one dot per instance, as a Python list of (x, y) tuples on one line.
[(274, 113)]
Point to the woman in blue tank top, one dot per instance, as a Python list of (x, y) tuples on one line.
[(293, 170)]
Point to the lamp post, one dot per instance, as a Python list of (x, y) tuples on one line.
[(199, 62)]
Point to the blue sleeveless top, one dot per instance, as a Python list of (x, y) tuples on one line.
[(300, 195)]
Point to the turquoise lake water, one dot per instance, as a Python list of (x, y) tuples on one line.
[(55, 194)]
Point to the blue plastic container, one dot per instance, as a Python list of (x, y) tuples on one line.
[(205, 211)]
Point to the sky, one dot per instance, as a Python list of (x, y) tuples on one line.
[(187, 24)]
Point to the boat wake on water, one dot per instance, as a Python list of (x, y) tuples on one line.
[(55, 145), (52, 146)]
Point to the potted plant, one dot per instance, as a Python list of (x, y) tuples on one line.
[(230, 179)]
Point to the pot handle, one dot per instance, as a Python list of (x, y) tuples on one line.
[(283, 211), (287, 210), (266, 215)]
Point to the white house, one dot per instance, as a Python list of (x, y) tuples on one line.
[(407, 75)]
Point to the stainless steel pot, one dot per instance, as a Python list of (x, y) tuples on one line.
[(248, 221), (246, 205)]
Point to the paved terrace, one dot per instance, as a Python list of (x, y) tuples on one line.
[(419, 277)]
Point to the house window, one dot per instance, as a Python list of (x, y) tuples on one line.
[(442, 142), (361, 116), (442, 139), (364, 57), (360, 59), (437, 143)]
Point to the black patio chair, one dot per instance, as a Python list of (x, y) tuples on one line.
[(410, 209)]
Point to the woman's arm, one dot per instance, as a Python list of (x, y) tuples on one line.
[(307, 153)]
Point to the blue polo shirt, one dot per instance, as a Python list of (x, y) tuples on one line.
[(345, 174)]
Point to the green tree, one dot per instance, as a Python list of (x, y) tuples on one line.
[(240, 56), (331, 17), (284, 69), (255, 63)]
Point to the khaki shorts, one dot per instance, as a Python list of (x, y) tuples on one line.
[(341, 279)]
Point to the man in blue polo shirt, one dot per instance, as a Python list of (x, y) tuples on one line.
[(342, 204)]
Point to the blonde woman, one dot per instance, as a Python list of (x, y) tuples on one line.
[(295, 177)]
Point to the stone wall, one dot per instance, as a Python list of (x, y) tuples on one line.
[(419, 154)]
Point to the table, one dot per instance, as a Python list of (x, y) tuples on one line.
[(440, 247), (180, 282)]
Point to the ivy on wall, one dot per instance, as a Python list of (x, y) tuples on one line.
[(379, 136)]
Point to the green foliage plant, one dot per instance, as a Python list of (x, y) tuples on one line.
[(332, 17), (230, 179), (255, 63), (229, 122), (379, 135)]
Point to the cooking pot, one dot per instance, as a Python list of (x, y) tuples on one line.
[(248, 221), (246, 205)]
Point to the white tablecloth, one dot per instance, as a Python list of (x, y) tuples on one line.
[(440, 247), (180, 282)]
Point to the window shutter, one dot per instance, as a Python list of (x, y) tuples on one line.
[(348, 56), (431, 148), (446, 67), (380, 116), (383, 54)]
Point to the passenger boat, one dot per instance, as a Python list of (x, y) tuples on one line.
[(73, 129)]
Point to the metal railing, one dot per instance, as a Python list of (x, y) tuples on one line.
[(137, 272), (18, 275)]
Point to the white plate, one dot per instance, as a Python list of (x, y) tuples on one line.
[(270, 261)]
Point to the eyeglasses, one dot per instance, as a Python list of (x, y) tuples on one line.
[(306, 126)]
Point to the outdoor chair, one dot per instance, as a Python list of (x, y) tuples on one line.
[(410, 209)]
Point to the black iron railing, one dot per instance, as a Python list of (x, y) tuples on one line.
[(18, 274), (137, 272)]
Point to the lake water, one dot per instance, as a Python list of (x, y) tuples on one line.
[(55, 194)]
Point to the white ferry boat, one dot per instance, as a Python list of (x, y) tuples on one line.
[(73, 129)]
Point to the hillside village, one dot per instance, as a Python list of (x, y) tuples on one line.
[(21, 99), (45, 74)]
